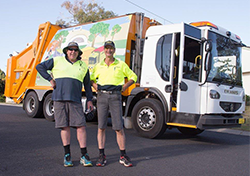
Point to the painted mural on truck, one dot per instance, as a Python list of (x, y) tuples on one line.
[(90, 38)]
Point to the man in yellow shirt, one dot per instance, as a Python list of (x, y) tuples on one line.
[(69, 75), (108, 79)]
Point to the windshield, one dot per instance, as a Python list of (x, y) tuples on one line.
[(92, 60), (226, 61)]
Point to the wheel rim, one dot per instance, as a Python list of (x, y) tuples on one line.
[(31, 105), (146, 118), (49, 108)]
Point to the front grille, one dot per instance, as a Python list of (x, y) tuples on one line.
[(229, 106)]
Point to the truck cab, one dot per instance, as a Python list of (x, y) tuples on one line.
[(191, 79)]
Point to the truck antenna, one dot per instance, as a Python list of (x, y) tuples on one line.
[(149, 11)]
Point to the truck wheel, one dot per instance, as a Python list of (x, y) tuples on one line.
[(48, 108), (92, 115), (32, 106), (148, 119), (190, 131)]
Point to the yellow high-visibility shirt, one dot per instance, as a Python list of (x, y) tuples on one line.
[(113, 74)]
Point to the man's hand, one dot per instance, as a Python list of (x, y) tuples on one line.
[(53, 83), (94, 85), (90, 106), (129, 83)]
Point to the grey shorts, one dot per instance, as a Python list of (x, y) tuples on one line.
[(68, 114), (109, 103)]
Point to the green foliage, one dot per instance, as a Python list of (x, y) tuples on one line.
[(60, 37), (104, 29), (115, 30), (82, 12), (91, 37), (61, 22), (2, 98), (247, 100), (2, 75), (98, 29), (2, 86)]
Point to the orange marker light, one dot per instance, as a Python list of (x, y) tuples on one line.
[(204, 23)]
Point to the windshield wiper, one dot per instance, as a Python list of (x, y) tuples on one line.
[(234, 82), (223, 81), (236, 43)]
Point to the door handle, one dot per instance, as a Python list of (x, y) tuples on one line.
[(183, 86), (168, 88)]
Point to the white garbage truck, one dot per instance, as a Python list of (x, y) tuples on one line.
[(189, 75)]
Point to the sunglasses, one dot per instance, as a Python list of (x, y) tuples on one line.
[(71, 49)]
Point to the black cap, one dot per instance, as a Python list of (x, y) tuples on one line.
[(109, 43), (70, 45)]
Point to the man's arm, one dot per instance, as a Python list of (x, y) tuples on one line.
[(93, 78), (88, 90), (132, 77), (95, 86), (42, 69), (129, 83)]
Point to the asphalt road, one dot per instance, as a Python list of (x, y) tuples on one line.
[(33, 147)]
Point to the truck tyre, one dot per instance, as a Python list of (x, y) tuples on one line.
[(48, 108), (92, 115), (148, 118), (190, 131), (32, 106)]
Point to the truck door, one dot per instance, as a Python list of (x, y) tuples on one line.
[(189, 77)]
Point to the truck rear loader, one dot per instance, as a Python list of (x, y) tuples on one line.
[(189, 75)]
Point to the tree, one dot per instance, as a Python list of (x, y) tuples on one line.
[(60, 37), (84, 12), (2, 82), (115, 30), (96, 29), (61, 22)]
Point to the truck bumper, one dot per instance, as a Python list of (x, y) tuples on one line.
[(207, 121), (217, 121)]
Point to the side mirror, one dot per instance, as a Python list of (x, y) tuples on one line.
[(208, 49), (207, 62)]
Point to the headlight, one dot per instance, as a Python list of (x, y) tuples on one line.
[(214, 94)]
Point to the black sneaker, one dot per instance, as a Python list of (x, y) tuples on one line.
[(125, 160), (102, 160)]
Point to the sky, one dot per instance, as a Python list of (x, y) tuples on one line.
[(20, 19)]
